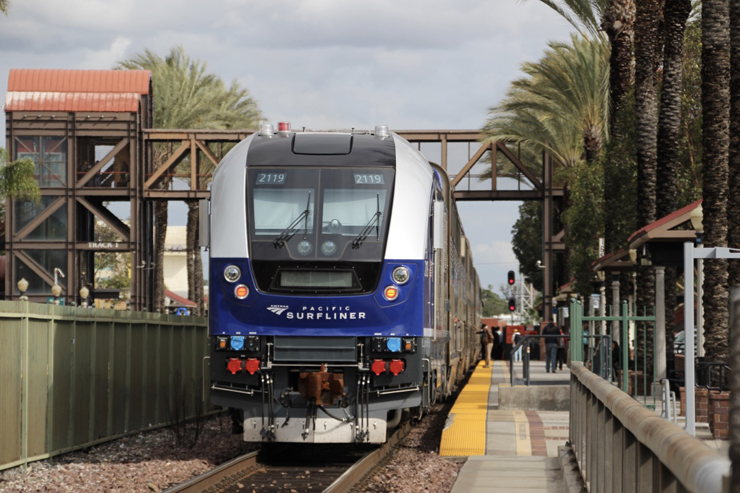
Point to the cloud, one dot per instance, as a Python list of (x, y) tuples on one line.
[(108, 57)]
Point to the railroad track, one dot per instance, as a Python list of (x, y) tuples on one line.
[(297, 467)]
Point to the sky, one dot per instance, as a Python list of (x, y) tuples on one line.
[(320, 64)]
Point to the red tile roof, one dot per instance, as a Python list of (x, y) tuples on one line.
[(76, 90), (666, 219), (179, 300)]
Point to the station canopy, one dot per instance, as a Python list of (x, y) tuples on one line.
[(76, 90)]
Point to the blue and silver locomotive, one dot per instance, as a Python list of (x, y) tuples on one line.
[(342, 289)]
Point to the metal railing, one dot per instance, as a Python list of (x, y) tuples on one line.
[(622, 446), (74, 377), (625, 363), (605, 354)]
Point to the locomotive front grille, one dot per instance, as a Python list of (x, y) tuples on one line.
[(315, 349)]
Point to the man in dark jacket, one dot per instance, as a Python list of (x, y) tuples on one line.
[(551, 346)]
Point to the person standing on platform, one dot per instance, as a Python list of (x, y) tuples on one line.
[(482, 333), (551, 346), (561, 350), (515, 338), (488, 334)]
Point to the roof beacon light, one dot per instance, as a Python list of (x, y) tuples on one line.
[(266, 130), (284, 127), (381, 131)]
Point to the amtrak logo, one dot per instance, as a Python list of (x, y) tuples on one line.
[(277, 309)]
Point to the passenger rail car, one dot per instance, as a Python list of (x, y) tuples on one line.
[(342, 289)]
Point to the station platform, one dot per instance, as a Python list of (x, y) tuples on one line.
[(505, 449)]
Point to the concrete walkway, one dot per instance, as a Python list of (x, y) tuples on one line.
[(521, 446)]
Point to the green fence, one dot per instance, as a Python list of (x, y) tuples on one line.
[(638, 367), (73, 377)]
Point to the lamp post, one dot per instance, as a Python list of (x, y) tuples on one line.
[(697, 221), (84, 293), (56, 290), (22, 287)]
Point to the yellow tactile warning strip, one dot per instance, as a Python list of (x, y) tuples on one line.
[(523, 444), (465, 431)]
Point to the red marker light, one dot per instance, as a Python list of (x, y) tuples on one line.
[(284, 127), (253, 365), (390, 293), (241, 291), (234, 366), (378, 367), (396, 366)]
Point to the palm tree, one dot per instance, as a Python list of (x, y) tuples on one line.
[(715, 22), (185, 96), (560, 106), (618, 21), (676, 13), (647, 48), (733, 219)]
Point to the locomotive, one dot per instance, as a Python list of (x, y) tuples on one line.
[(342, 292)]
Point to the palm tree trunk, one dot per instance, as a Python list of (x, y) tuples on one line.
[(160, 233), (646, 115), (733, 205), (198, 268), (190, 250), (675, 12), (618, 23), (715, 75)]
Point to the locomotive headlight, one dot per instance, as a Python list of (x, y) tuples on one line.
[(401, 275), (241, 291), (329, 248), (232, 273), (304, 247)]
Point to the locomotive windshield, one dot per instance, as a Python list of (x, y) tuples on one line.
[(332, 221)]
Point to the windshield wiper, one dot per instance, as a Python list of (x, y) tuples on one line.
[(374, 222), (288, 232)]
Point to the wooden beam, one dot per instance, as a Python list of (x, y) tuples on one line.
[(171, 161), (36, 221), (99, 165), (494, 168), (479, 153), (516, 162)]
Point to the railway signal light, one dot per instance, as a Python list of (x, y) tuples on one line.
[(512, 304), (512, 278)]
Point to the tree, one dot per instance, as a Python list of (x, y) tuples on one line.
[(4, 6), (17, 181), (493, 304), (647, 49), (676, 13), (733, 205), (715, 23), (560, 105), (526, 242), (185, 96)]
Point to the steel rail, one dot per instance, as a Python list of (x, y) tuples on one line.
[(361, 468), (215, 476)]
